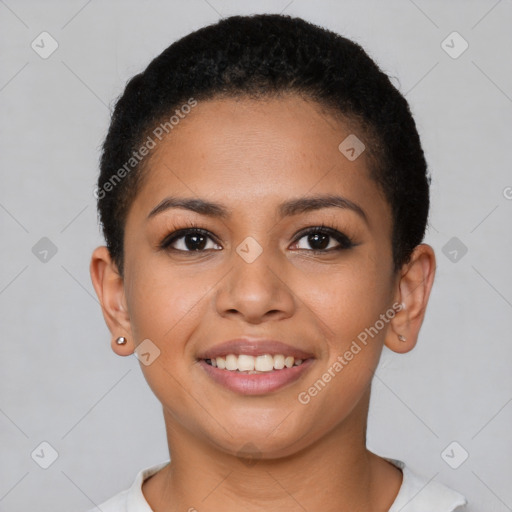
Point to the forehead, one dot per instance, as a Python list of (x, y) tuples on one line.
[(254, 154)]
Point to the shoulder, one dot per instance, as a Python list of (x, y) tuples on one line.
[(131, 499), (421, 494)]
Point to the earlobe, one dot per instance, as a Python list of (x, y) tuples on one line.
[(109, 287), (121, 346), (413, 292)]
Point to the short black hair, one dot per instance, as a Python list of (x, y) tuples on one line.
[(266, 55)]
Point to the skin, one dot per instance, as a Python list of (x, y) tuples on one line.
[(251, 156)]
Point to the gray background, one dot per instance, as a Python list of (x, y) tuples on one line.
[(62, 384)]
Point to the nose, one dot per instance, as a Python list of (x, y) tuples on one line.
[(256, 290)]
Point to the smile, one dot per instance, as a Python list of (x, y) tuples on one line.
[(253, 364), (255, 375)]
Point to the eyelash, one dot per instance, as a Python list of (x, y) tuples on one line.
[(177, 233)]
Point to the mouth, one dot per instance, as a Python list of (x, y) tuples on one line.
[(251, 365), (255, 367)]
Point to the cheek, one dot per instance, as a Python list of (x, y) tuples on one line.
[(348, 299), (162, 303), (348, 304), (164, 308)]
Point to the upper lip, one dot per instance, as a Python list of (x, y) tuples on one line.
[(253, 347)]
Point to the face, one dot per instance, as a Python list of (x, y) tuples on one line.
[(275, 266)]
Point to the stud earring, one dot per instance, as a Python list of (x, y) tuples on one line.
[(402, 338), (121, 340)]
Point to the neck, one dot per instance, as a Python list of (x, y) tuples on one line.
[(335, 473)]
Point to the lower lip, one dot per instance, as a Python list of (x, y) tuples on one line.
[(257, 383)]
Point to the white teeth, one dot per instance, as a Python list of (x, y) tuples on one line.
[(278, 362), (252, 365), (264, 363), (245, 362), (231, 362)]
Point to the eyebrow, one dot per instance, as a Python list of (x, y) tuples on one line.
[(286, 209)]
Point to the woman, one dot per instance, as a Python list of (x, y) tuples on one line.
[(264, 196)]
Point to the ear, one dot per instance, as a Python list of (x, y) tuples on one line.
[(109, 286), (413, 291)]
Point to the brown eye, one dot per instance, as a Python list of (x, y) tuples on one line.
[(188, 240), (320, 239)]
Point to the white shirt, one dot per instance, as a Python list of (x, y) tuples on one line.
[(416, 494)]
